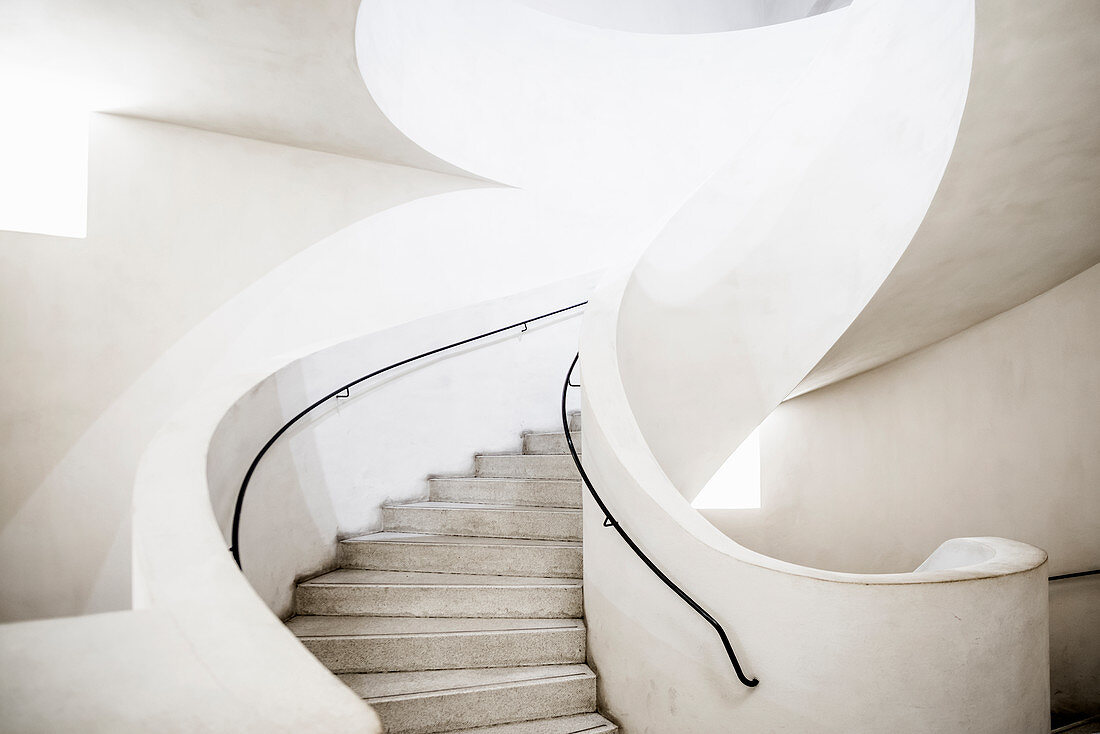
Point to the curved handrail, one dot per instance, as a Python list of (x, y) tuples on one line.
[(1079, 574), (234, 546), (611, 522)]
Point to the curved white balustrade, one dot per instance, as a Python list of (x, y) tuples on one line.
[(261, 677), (951, 648)]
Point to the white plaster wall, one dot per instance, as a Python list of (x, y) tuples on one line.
[(180, 220), (328, 477), (67, 544), (281, 70), (995, 431)]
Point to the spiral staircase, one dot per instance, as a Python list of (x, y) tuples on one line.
[(465, 612)]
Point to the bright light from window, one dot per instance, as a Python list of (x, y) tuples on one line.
[(736, 484), (43, 165)]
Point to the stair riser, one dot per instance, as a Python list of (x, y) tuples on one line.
[(575, 724), (484, 523), (468, 559), (575, 422), (526, 466), (549, 443), (449, 651), (555, 602), (533, 493), (459, 709)]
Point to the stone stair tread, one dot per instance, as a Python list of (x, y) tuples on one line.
[(391, 536), (531, 466), (363, 577), (577, 724), (356, 626), (421, 623), (389, 686), (433, 505), (512, 455)]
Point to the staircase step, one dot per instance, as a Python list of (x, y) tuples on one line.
[(425, 702), (507, 491), (550, 443), (526, 466), (494, 521), (348, 644), (578, 724), (403, 594), (392, 551), (574, 421)]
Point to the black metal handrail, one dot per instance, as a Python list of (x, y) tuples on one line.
[(234, 547), (1062, 576), (611, 522)]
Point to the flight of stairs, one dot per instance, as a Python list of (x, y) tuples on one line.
[(465, 613)]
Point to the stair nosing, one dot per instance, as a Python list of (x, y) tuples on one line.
[(367, 584), (541, 583), (579, 675), (425, 505), (545, 542), (525, 456), (606, 726), (448, 633)]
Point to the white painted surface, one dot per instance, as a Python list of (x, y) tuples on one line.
[(1015, 214), (180, 222), (621, 126), (329, 477), (764, 267), (684, 16), (134, 672), (280, 70), (960, 649), (995, 431), (604, 142)]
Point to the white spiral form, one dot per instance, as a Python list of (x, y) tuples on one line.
[(760, 184)]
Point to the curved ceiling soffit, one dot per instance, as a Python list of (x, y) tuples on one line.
[(1015, 212), (539, 102), (786, 269), (680, 17)]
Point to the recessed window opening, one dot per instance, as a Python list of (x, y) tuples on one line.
[(43, 163), (736, 484)]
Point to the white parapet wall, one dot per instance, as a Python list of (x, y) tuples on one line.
[(960, 648)]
